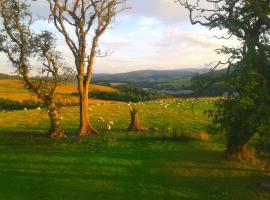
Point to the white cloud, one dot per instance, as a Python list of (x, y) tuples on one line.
[(153, 34), (164, 10)]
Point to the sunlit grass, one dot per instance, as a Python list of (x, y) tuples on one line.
[(15, 90), (120, 165)]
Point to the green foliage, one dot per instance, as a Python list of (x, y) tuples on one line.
[(208, 86), (10, 105), (246, 111)]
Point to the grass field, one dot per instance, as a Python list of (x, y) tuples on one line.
[(120, 165), (15, 90)]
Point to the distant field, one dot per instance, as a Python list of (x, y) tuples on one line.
[(15, 90), (174, 84), (120, 165)]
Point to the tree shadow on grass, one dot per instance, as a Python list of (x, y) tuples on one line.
[(130, 185)]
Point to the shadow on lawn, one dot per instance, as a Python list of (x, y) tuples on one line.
[(127, 184)]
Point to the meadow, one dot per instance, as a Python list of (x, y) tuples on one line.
[(169, 161), (15, 90)]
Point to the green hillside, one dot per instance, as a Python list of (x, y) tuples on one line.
[(149, 75)]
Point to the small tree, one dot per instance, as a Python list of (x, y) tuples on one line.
[(88, 19), (246, 111), (21, 45)]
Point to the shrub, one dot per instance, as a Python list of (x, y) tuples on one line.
[(6, 104)]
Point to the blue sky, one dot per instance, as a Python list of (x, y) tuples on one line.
[(153, 34)]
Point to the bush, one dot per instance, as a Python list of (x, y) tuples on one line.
[(6, 104)]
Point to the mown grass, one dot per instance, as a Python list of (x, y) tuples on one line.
[(107, 168), (120, 165)]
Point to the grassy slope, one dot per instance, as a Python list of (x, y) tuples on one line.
[(15, 90), (112, 169), (117, 165)]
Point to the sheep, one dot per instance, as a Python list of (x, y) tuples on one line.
[(109, 127), (100, 119)]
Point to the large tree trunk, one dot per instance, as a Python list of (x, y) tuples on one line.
[(85, 126), (237, 148), (134, 120), (56, 130)]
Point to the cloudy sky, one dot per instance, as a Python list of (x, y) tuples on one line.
[(153, 34)]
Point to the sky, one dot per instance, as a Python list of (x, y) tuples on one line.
[(153, 34)]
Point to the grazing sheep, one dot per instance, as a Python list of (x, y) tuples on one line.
[(100, 119), (109, 127)]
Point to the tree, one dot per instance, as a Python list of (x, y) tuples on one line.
[(88, 19), (247, 109), (22, 45)]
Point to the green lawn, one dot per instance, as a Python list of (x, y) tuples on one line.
[(118, 165)]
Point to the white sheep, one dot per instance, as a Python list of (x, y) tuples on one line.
[(100, 119), (109, 127)]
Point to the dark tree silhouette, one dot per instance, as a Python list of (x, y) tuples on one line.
[(246, 111)]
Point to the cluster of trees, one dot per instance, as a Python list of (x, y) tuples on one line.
[(81, 22), (128, 93), (246, 111)]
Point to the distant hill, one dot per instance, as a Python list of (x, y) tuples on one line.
[(148, 75)]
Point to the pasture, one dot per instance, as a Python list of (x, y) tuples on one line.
[(15, 90), (121, 165)]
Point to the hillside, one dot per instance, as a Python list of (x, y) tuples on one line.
[(15, 90), (148, 75)]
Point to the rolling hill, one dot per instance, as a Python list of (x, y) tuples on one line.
[(15, 90), (148, 75)]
